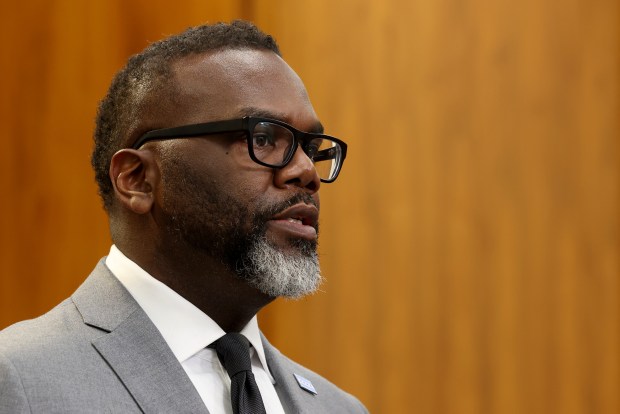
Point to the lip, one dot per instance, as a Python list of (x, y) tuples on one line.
[(299, 221)]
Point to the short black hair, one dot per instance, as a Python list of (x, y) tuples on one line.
[(148, 72)]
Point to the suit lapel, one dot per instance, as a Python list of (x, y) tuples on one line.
[(134, 348), (293, 399), (142, 360)]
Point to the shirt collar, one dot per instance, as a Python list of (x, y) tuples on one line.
[(185, 328)]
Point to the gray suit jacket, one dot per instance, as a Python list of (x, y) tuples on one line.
[(98, 352)]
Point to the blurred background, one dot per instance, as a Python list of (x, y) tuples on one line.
[(471, 242)]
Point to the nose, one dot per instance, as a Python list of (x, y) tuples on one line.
[(299, 172)]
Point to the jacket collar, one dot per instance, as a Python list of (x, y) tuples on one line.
[(133, 347), (292, 397)]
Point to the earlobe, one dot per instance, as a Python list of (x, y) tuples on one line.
[(133, 174)]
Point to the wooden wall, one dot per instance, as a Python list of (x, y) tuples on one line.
[(471, 243)]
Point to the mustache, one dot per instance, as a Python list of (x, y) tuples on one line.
[(262, 216), (296, 199)]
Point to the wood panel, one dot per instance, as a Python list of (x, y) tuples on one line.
[(471, 243)]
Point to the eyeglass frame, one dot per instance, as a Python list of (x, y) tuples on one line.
[(247, 125)]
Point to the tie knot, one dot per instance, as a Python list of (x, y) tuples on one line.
[(233, 350)]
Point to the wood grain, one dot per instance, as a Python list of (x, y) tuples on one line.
[(471, 244)]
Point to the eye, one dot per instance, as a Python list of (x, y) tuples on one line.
[(311, 148), (262, 139)]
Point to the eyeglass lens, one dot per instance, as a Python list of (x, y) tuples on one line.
[(272, 144)]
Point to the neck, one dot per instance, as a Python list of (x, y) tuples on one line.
[(206, 283)]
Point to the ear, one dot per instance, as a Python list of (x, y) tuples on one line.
[(134, 174)]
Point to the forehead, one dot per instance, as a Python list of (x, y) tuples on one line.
[(224, 84)]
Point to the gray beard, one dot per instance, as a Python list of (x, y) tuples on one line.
[(211, 222), (278, 273)]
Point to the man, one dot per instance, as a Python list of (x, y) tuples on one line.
[(211, 188)]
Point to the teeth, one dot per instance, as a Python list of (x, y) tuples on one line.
[(293, 220)]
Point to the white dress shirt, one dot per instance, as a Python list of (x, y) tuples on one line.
[(188, 331)]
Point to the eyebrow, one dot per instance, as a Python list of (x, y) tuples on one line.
[(317, 128)]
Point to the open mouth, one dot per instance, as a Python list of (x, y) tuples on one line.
[(298, 221)]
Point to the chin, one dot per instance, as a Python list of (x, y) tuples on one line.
[(292, 272)]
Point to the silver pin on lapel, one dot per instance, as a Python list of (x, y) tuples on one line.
[(306, 384)]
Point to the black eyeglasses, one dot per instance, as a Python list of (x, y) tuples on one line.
[(271, 143)]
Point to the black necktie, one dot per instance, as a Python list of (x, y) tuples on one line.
[(233, 350)]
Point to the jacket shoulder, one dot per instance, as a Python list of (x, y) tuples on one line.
[(29, 336), (328, 398), (49, 364)]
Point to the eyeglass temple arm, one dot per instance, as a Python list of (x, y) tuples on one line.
[(326, 154)]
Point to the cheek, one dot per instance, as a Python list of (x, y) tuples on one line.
[(227, 167), (245, 175), (252, 188), (219, 164)]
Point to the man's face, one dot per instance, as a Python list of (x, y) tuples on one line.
[(260, 222)]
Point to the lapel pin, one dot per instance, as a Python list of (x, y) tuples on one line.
[(305, 384)]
